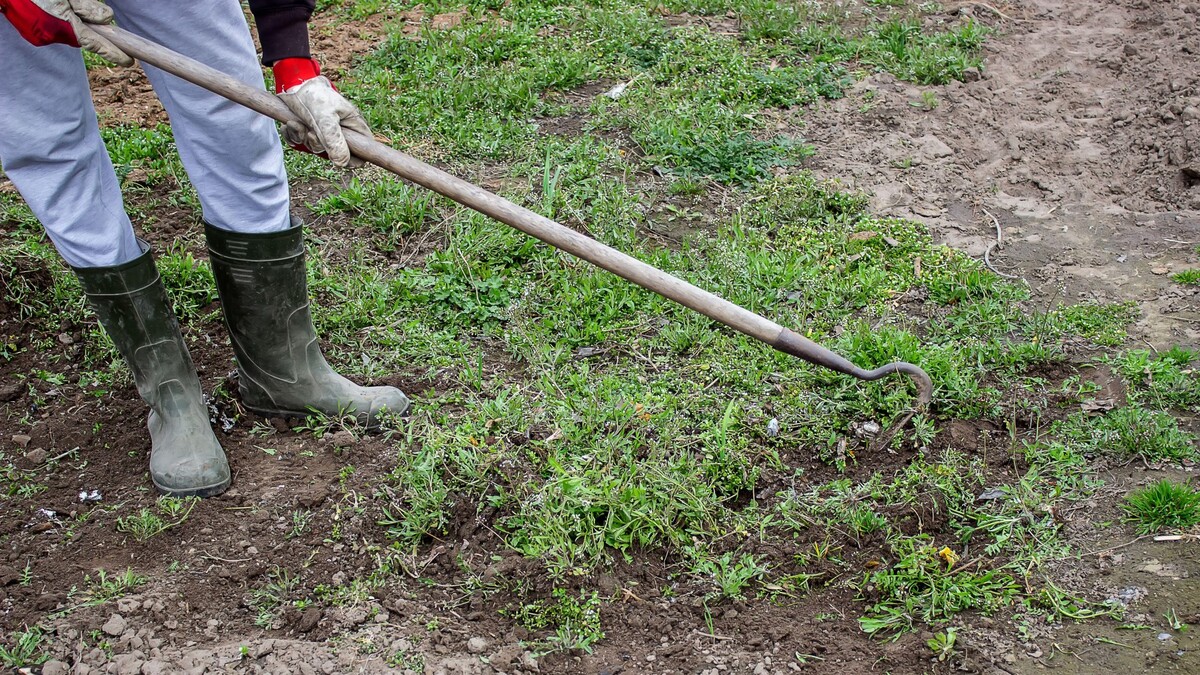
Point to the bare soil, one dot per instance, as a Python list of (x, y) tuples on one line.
[(1079, 139)]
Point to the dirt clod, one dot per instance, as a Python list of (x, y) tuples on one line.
[(477, 645), (115, 625)]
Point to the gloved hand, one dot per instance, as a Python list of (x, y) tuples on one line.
[(320, 107), (48, 22)]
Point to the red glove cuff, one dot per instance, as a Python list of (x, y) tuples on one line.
[(289, 72), (36, 26)]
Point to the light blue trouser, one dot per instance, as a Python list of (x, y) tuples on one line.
[(50, 145)]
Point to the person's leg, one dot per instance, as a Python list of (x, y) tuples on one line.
[(233, 155), (50, 147), (235, 159)]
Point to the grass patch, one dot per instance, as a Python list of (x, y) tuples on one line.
[(1165, 505), (24, 648), (1187, 277)]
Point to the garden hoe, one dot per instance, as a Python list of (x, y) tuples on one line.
[(559, 236)]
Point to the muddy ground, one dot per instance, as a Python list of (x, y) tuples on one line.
[(1080, 142)]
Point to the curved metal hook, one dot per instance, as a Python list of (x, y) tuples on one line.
[(791, 342)]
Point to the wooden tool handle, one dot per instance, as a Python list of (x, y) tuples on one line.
[(533, 224)]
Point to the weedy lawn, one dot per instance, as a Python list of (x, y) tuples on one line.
[(598, 431)]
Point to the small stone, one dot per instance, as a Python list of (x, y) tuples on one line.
[(730, 614), (66, 339), (115, 625), (36, 456), (54, 667), (477, 645), (1159, 270), (21, 440)]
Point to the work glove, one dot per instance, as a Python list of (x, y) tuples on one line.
[(321, 109), (49, 22)]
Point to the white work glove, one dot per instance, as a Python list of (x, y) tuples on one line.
[(45, 22), (321, 109)]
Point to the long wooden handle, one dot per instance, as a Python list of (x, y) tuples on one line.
[(523, 219)]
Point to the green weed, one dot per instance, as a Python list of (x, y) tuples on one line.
[(1165, 505), (575, 622), (1187, 277), (168, 512), (268, 600), (24, 648), (105, 587), (921, 587), (1130, 431)]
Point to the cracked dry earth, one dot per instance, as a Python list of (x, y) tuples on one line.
[(1080, 140)]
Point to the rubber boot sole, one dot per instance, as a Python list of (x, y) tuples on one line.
[(293, 415), (201, 492)]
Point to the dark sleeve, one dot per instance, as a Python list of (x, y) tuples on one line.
[(282, 27)]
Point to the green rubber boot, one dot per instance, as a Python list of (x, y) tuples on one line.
[(281, 371), (185, 457)]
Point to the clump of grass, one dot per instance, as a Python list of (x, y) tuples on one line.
[(189, 282), (1187, 277), (1103, 324), (922, 586), (107, 586), (1165, 380), (268, 600), (168, 512), (24, 649), (575, 621), (1165, 505), (1131, 431)]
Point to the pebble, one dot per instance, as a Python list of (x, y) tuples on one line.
[(1159, 270), (53, 667), (36, 456), (477, 645), (21, 439), (115, 625)]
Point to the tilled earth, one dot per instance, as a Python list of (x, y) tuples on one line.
[(1078, 140)]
